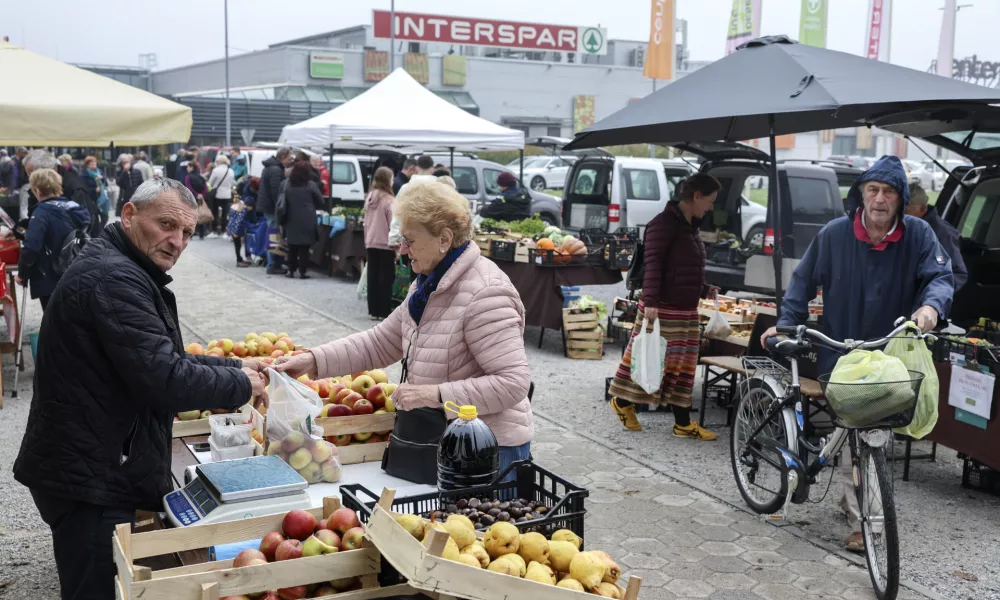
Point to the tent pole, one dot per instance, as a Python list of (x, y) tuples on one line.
[(774, 200), (452, 152), (521, 156)]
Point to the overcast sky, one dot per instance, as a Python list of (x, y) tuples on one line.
[(182, 32)]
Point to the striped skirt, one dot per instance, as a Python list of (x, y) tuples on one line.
[(680, 327)]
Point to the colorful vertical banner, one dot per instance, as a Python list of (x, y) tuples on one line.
[(812, 23), (879, 30), (660, 53), (946, 43), (454, 69), (744, 23), (376, 65), (864, 138), (583, 112), (417, 65)]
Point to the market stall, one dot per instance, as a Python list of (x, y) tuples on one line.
[(340, 250)]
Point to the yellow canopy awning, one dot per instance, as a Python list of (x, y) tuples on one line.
[(44, 102)]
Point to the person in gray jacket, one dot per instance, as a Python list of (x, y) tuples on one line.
[(946, 234)]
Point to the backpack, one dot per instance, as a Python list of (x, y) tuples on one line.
[(633, 281), (69, 248)]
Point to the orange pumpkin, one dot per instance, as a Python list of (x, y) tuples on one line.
[(545, 244), (561, 257), (574, 246)]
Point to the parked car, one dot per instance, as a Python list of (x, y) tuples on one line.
[(938, 177), (476, 179), (348, 182), (545, 172), (854, 160)]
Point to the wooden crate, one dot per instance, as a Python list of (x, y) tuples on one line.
[(364, 452), (585, 344), (424, 568), (575, 319), (521, 253), (201, 426), (209, 581)]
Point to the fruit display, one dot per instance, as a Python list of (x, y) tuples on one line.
[(357, 394), (265, 347), (313, 458), (555, 560), (484, 512)]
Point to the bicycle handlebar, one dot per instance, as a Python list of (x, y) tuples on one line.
[(800, 332)]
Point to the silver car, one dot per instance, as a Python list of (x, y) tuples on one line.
[(476, 179)]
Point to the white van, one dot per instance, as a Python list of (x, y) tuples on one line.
[(347, 179)]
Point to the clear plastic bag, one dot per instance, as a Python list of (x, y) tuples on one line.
[(648, 353), (875, 386), (230, 430), (363, 283), (293, 434), (915, 355), (717, 327)]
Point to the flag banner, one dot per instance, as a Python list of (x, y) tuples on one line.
[(744, 23), (583, 112), (879, 22), (660, 54), (454, 69), (812, 23)]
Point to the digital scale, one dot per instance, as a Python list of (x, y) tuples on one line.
[(237, 489)]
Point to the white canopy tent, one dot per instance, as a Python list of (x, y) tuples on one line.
[(401, 114)]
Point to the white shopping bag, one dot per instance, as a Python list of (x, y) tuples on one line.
[(648, 353), (363, 283), (718, 327)]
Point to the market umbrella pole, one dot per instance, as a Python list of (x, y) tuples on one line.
[(774, 199), (330, 195)]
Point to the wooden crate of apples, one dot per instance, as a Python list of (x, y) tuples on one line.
[(358, 413), (265, 347), (316, 553), (452, 558)]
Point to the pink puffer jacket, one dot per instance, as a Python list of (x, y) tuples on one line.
[(469, 342)]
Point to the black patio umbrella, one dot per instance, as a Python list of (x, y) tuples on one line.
[(775, 86)]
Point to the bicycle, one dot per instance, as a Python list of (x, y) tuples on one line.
[(773, 428)]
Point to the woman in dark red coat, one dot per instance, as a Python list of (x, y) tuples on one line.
[(673, 283)]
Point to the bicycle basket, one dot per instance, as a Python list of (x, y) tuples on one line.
[(873, 405)]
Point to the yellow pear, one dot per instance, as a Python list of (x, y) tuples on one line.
[(609, 590), (561, 554), (588, 569), (477, 551), (464, 520), (534, 547), (571, 584), (413, 525), (501, 538), (540, 573), (450, 548), (502, 565), (612, 571), (468, 559), (565, 535), (462, 535), (522, 567)]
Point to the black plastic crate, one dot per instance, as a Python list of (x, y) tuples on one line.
[(595, 256), (977, 476), (620, 253), (532, 483), (503, 250), (551, 258)]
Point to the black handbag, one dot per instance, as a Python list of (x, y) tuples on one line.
[(413, 444)]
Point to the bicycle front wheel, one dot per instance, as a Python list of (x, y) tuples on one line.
[(873, 486), (759, 470)]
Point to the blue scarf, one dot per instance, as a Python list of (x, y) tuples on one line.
[(426, 284), (103, 202)]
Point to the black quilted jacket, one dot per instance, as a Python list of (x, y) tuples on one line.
[(111, 372)]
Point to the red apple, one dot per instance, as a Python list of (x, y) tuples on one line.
[(342, 585), (288, 550), (270, 543), (293, 593), (328, 537), (271, 595), (298, 524), (324, 590), (235, 598), (350, 399), (363, 407), (339, 410), (339, 440), (324, 388), (343, 519), (375, 439), (377, 396), (342, 394), (353, 538), (243, 558), (335, 388), (322, 522)]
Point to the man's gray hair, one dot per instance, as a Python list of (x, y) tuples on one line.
[(283, 152), (917, 195), (40, 159), (154, 187), (122, 158)]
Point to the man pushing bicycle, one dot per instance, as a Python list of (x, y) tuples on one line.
[(872, 265)]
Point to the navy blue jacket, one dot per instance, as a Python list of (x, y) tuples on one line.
[(948, 238), (866, 290), (51, 221)]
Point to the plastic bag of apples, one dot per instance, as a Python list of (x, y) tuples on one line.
[(292, 434)]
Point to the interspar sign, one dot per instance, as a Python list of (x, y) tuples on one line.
[(486, 32)]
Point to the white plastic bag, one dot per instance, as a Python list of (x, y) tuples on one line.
[(292, 433), (648, 353), (717, 327), (363, 283), (917, 357)]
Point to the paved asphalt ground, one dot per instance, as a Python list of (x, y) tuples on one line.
[(666, 508)]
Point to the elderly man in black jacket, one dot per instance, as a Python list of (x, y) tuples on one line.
[(267, 200), (110, 374)]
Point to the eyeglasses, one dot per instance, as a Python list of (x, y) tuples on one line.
[(408, 243)]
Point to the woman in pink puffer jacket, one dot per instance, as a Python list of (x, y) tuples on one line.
[(461, 327)]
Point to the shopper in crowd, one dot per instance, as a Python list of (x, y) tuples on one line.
[(238, 159), (946, 234), (129, 179), (470, 347), (247, 189), (8, 174), (381, 264), (111, 373), (313, 171), (195, 183), (324, 174), (513, 204), (270, 184), (874, 265), (237, 228), (142, 165), (32, 161), (441, 171), (22, 174), (302, 200), (403, 177), (673, 283), (170, 169), (424, 172), (12, 177), (97, 187), (73, 188), (221, 182), (51, 221)]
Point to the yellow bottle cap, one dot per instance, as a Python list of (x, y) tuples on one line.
[(466, 411)]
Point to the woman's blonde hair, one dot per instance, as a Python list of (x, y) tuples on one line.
[(435, 206), (46, 183), (448, 181), (222, 159)]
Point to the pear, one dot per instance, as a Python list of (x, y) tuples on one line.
[(561, 554), (468, 559), (477, 551), (588, 569), (314, 547), (450, 548), (464, 520), (522, 567), (413, 525), (502, 565), (565, 535), (429, 526), (612, 570), (571, 584), (609, 590), (501, 538), (463, 536), (534, 547), (540, 573)]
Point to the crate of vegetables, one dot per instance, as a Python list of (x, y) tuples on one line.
[(536, 500), (503, 250), (453, 559), (319, 552)]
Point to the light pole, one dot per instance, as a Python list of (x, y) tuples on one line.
[(392, 36), (226, 27)]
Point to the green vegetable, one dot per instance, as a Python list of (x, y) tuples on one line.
[(586, 302)]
